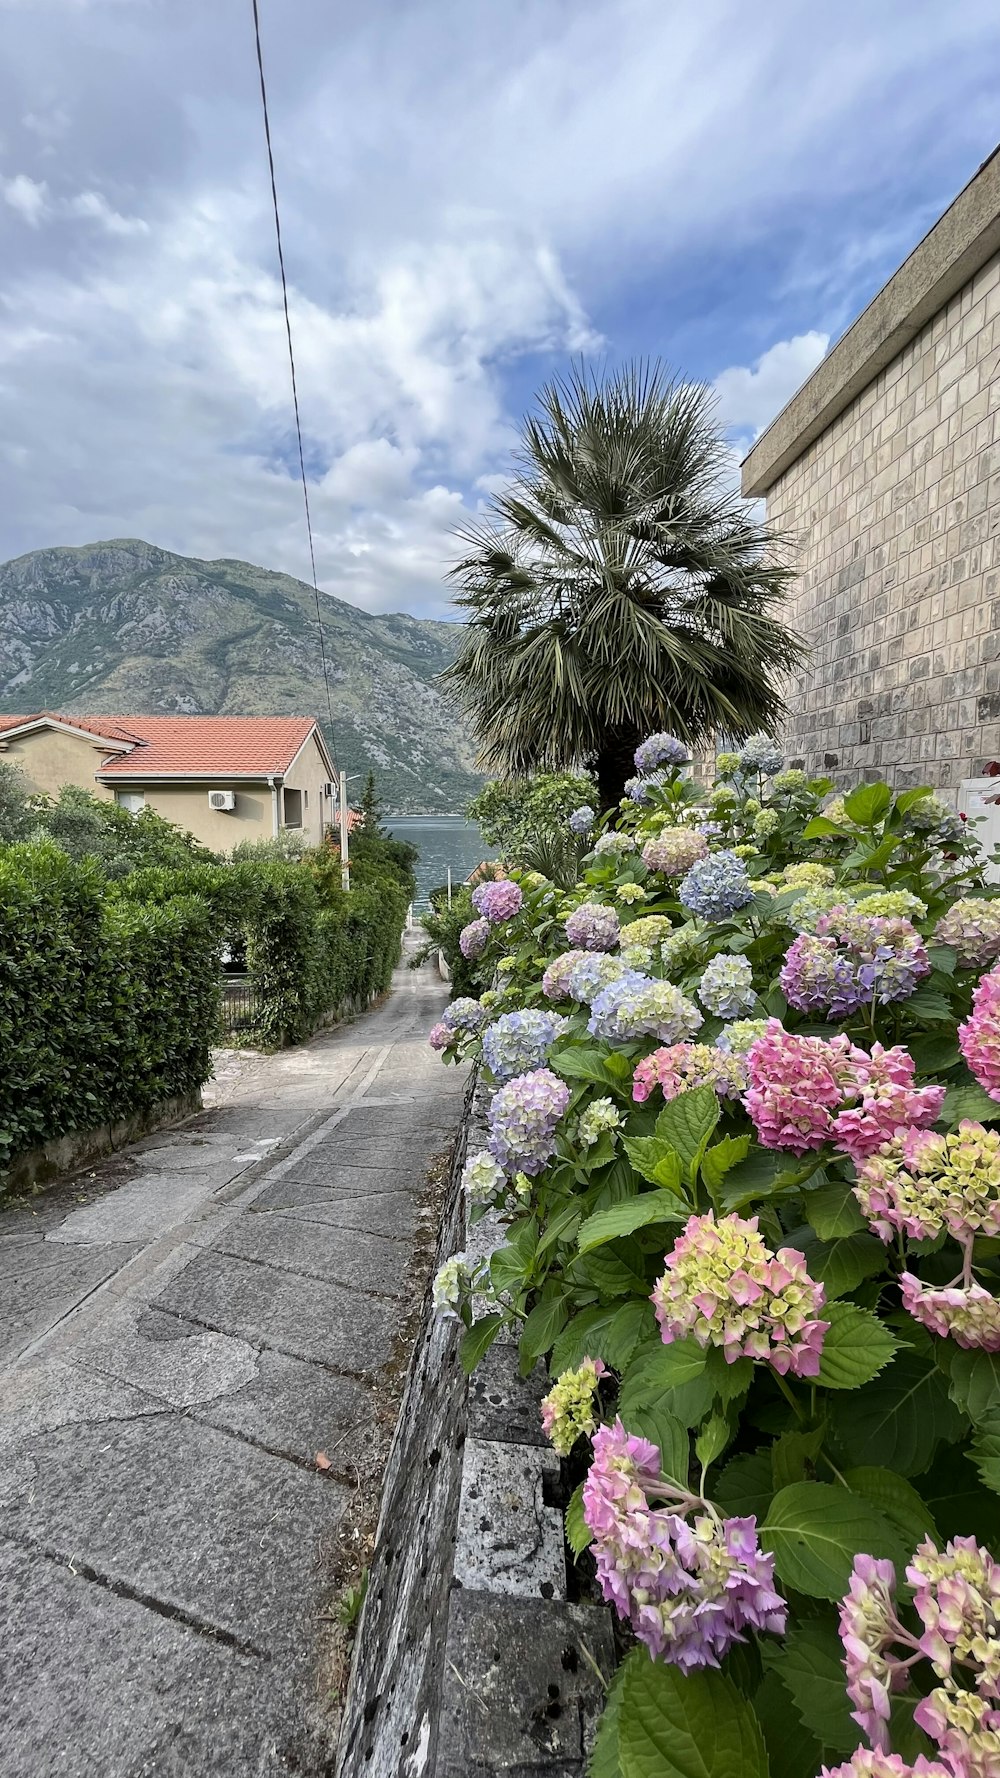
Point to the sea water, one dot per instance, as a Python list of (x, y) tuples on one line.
[(443, 841)]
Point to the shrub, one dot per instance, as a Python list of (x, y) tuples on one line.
[(762, 1261), (104, 1009)]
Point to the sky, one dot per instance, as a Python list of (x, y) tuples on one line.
[(474, 194)]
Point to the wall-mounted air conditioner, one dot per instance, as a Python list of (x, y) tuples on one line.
[(330, 790), (222, 800)]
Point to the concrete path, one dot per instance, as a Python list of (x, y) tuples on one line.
[(182, 1331)]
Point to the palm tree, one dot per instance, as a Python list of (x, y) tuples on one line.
[(619, 587)]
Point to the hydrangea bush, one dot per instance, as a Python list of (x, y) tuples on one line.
[(744, 1135)]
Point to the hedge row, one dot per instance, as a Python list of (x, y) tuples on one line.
[(106, 1007)]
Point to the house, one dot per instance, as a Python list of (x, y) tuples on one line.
[(223, 778), (884, 469)]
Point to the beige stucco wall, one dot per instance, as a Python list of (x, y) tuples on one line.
[(896, 512), (309, 773), (186, 805), (50, 758)]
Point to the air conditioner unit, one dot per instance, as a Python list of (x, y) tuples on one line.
[(223, 800), (330, 790)]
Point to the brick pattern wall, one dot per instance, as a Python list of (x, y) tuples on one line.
[(896, 513)]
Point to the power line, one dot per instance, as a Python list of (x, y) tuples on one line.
[(291, 366)]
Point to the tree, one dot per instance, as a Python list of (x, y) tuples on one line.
[(372, 807), (619, 587), (16, 820), (513, 812)]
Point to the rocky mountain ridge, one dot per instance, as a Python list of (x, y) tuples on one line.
[(122, 627)]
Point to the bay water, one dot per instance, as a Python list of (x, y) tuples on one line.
[(443, 841)]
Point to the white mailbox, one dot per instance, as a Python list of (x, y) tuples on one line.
[(979, 799)]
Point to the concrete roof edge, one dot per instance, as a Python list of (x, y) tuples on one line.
[(959, 244)]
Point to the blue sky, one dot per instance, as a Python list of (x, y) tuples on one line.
[(473, 192)]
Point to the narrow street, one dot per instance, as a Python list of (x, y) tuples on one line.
[(183, 1330)]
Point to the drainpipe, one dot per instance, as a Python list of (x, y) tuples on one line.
[(275, 782)]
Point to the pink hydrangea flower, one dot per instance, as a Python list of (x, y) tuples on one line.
[(868, 1762), (679, 1066), (724, 1285), (868, 1628), (979, 1036), (497, 901), (887, 1101), (674, 851), (967, 1314), (796, 1085), (688, 1590), (439, 1036), (474, 938)]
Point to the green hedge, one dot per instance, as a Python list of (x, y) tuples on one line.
[(106, 1007)]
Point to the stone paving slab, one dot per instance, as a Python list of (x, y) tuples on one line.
[(257, 1303), (378, 1153), (37, 1296), (393, 1215), (181, 1703), (508, 1540), (317, 1250), (183, 1514), (300, 1409)]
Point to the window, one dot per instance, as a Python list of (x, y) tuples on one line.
[(292, 804), (133, 800)]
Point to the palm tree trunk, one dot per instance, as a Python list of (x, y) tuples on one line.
[(614, 764)]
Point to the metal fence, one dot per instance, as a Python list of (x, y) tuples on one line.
[(240, 1009)]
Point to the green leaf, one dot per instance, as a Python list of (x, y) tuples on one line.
[(907, 798), (665, 1431), (477, 1341), (795, 1755), (578, 1533), (623, 1219), (868, 805), (943, 957), (561, 1227), (896, 1421), (811, 1667), (584, 1336), (974, 1382), (759, 1176), (791, 1452), (604, 1759), (962, 1506), (729, 1381), (934, 1052), (632, 1323), (592, 1065), (657, 1161), (687, 1123), (745, 1487), (819, 827), (814, 1532), (930, 1005), (897, 1499), (547, 1319), (612, 1275), (712, 1439), (986, 1451), (968, 1101), (833, 1211), (841, 1265), (508, 1269), (856, 1346), (671, 1376), (721, 1158), (685, 1725)]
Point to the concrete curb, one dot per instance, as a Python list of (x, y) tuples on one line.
[(470, 1660)]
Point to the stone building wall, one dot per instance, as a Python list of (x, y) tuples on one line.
[(895, 509)]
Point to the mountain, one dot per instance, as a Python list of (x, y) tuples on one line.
[(124, 628)]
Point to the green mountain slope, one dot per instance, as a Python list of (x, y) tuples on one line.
[(125, 628)]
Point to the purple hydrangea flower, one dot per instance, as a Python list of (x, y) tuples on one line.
[(593, 927), (716, 886), (497, 901), (520, 1041), (556, 980), (523, 1116), (660, 750), (464, 1015), (474, 938)]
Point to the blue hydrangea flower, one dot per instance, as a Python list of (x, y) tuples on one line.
[(660, 750), (582, 820), (639, 790), (520, 1041), (716, 886), (591, 972), (523, 1117), (465, 1015), (637, 1006), (726, 987), (759, 753)]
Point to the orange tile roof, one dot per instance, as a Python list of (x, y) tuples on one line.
[(190, 746)]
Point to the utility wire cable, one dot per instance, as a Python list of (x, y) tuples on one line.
[(291, 366)]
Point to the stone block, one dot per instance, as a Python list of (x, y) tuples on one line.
[(508, 1540)]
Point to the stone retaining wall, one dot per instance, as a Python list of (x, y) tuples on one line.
[(64, 1154), (470, 1660)]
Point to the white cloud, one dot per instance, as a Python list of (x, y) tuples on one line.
[(751, 396), (29, 197), (92, 206)]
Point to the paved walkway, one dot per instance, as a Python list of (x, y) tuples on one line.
[(182, 1331)]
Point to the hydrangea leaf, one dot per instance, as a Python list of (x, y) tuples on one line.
[(814, 1531), (611, 1275), (604, 1762), (632, 1323), (856, 1346), (797, 1755), (896, 1498), (721, 1158), (545, 1322), (896, 1421), (687, 1123), (745, 1487), (762, 1173), (674, 1375), (578, 1533), (656, 1160), (974, 1382), (930, 1004), (969, 1101), (664, 1430), (868, 805), (478, 1339), (840, 1265), (685, 1725), (712, 1439), (833, 1211), (585, 1336), (622, 1219), (986, 1451), (962, 1506), (592, 1065), (791, 1452), (810, 1665)]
